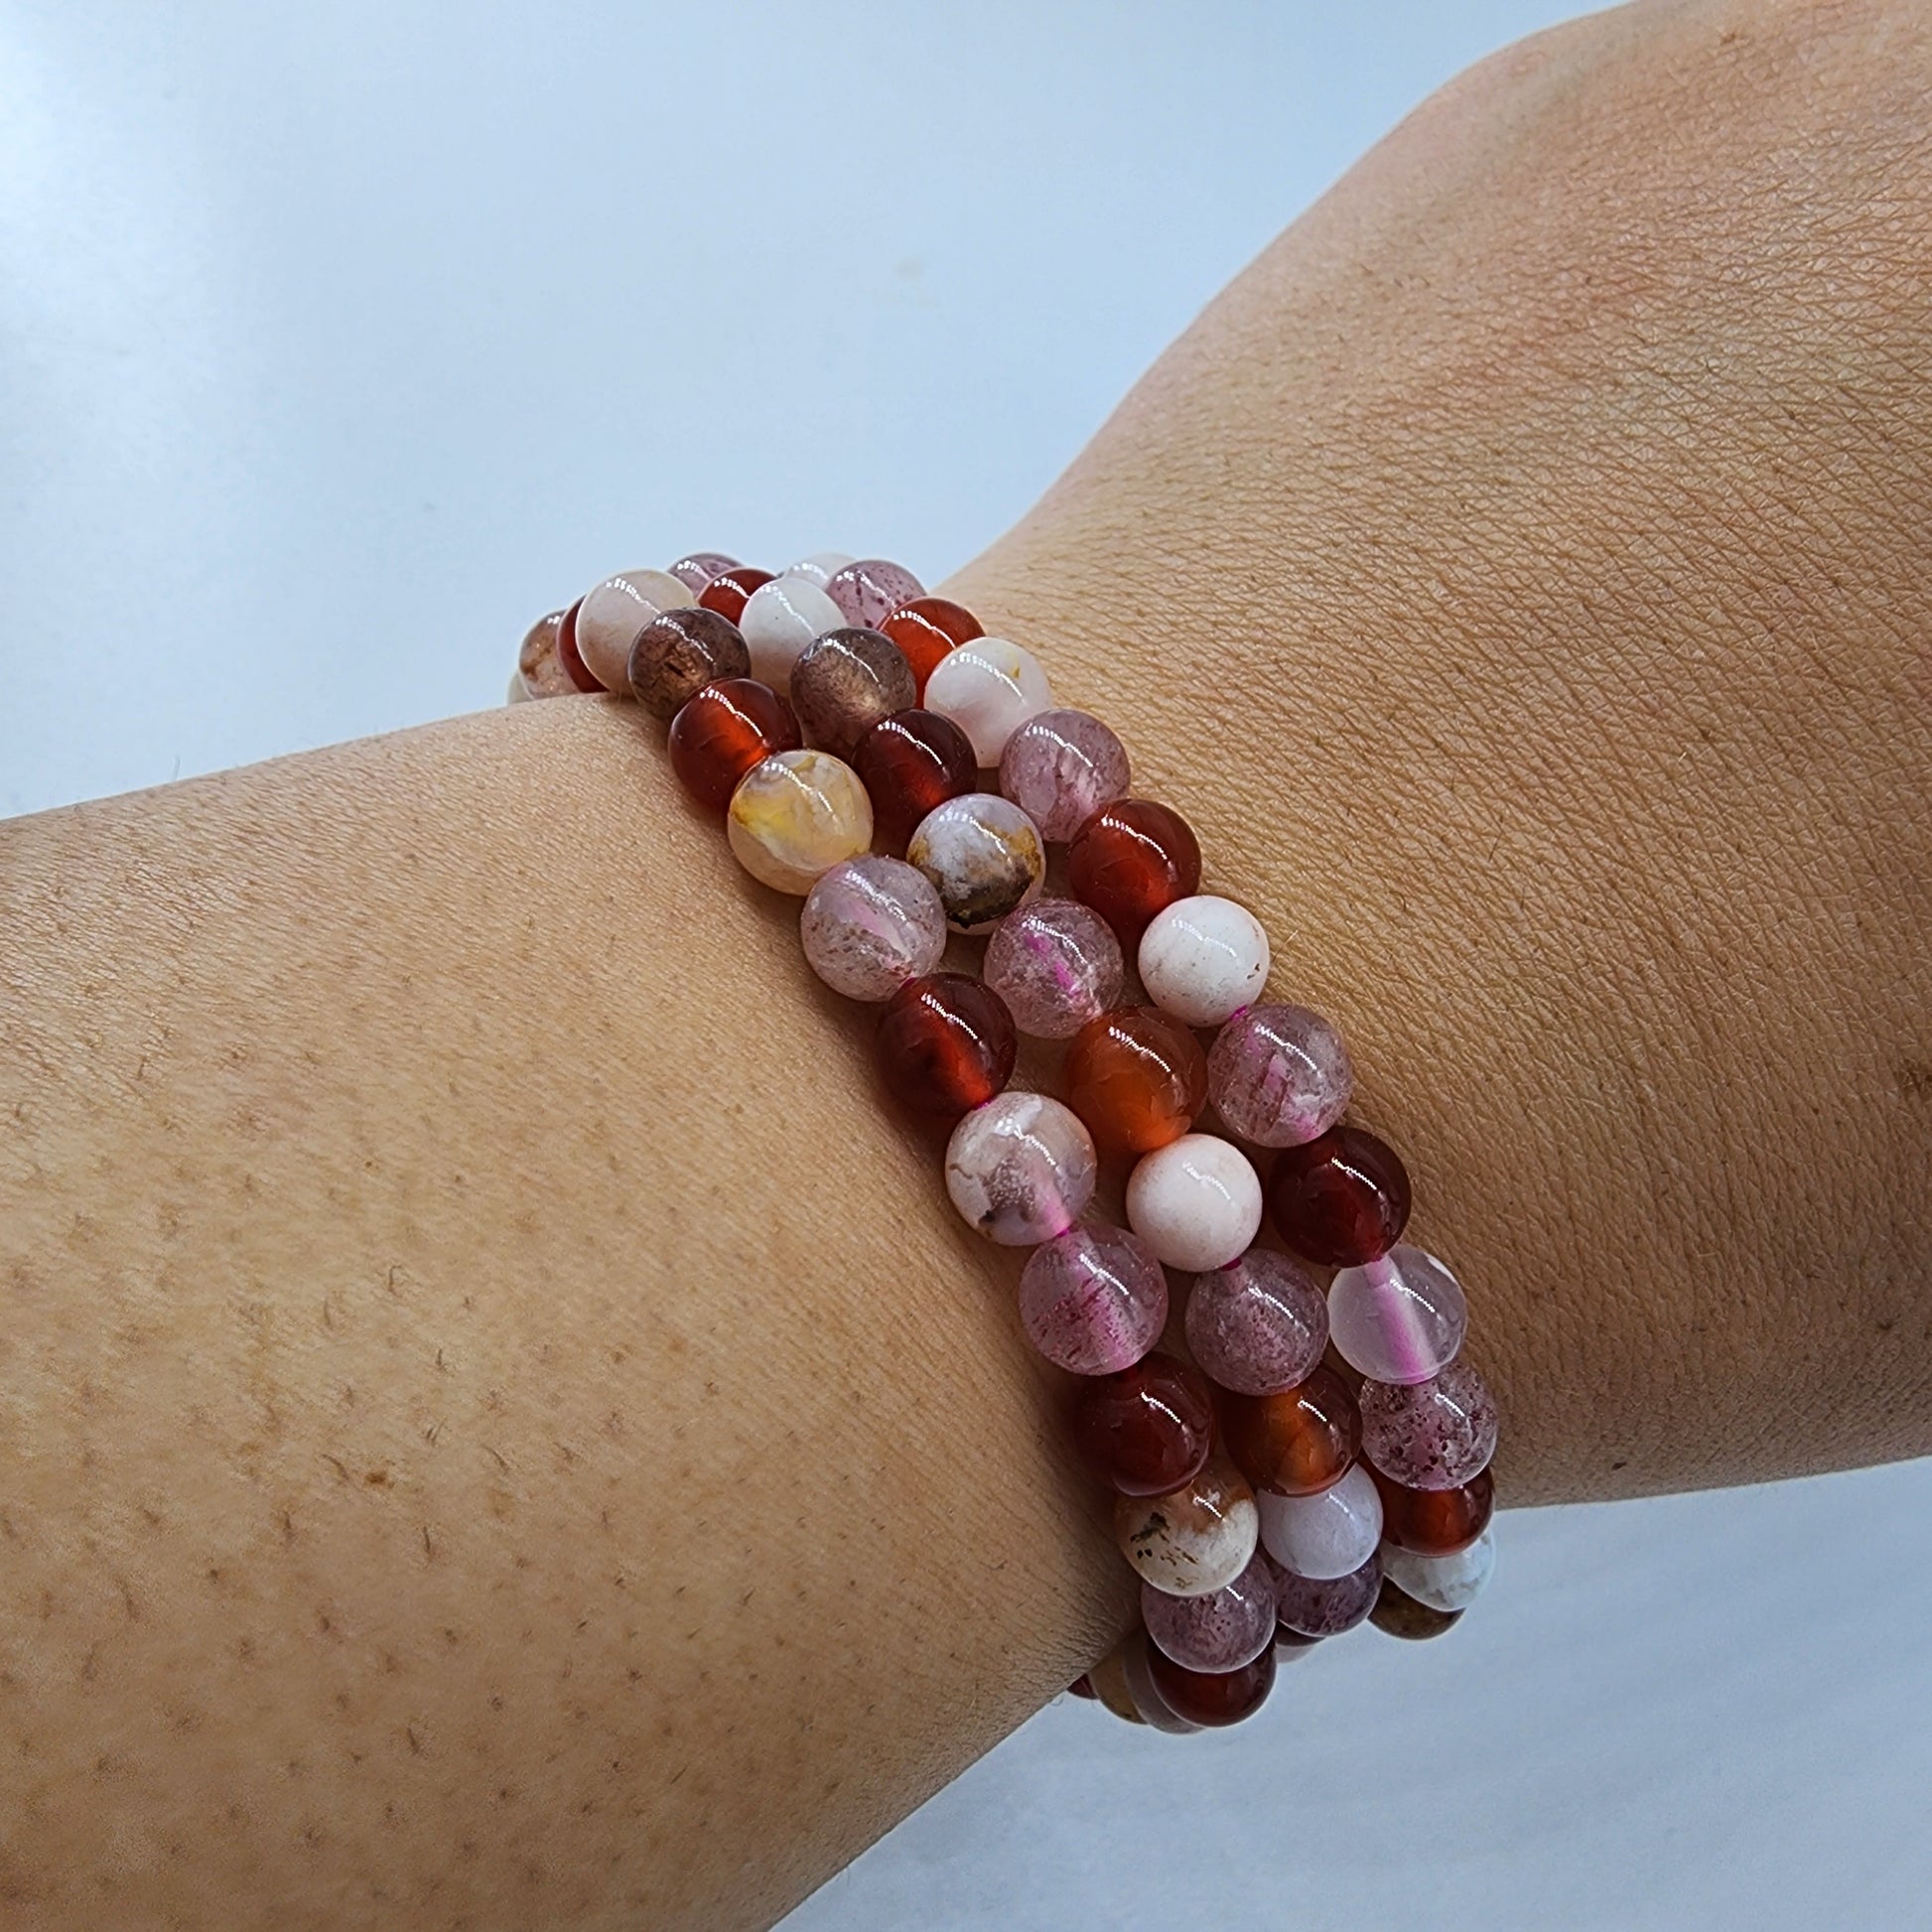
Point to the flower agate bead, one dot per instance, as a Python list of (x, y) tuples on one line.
[(1212, 1699), (869, 588), (1203, 959), (1194, 1539), (1341, 1198), (1398, 1614), (1060, 768), (1093, 1301), (870, 924), (1297, 1441), (697, 569), (1432, 1435), (845, 682), (945, 1043), (1278, 1075), (730, 591), (676, 654), (1136, 1077), (796, 815), (928, 628), (539, 670), (912, 762), (1220, 1632), (1451, 1582), (819, 568), (780, 619), (1436, 1522), (1327, 1535), (1148, 1429), (1021, 1169), (723, 730), (610, 616), (1398, 1318), (1196, 1202), (1312, 1606), (1131, 859), (1259, 1324), (1056, 964), (983, 854), (989, 688)]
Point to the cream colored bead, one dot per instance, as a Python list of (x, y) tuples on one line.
[(1203, 959), (610, 616), (796, 815), (1197, 1539), (988, 687), (779, 621), (819, 568)]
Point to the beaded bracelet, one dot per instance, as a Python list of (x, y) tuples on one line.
[(1267, 1498)]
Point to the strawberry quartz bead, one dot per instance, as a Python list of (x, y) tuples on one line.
[(1313, 1607), (1148, 1429), (697, 569), (912, 762), (1436, 1522), (1279, 1074), (730, 591), (725, 729), (945, 1043), (1341, 1198), (1212, 1699), (871, 588), (847, 682), (1136, 1077), (926, 629), (1130, 859), (1298, 1442), (1060, 768), (1056, 964), (1221, 1631), (870, 924), (1194, 1539), (1259, 1324), (1093, 1301), (675, 655), (1434, 1435)]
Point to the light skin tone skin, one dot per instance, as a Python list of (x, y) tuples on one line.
[(500, 1428)]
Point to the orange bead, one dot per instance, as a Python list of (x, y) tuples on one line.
[(724, 729), (1434, 1522), (1297, 1442), (926, 629), (1136, 1077)]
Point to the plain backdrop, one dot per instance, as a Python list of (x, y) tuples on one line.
[(339, 340)]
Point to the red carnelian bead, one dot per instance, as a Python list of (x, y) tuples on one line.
[(926, 629), (1298, 1442), (729, 592), (724, 729), (909, 764), (1222, 1697), (1145, 1429), (1434, 1522), (1341, 1198), (1137, 1078), (945, 1043), (569, 656), (1131, 859)]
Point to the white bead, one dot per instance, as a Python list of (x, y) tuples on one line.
[(989, 688), (1449, 1582), (1203, 959), (779, 621), (1324, 1535), (1196, 1540), (1196, 1202), (610, 616), (819, 568)]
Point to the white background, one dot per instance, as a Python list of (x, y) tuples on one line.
[(340, 341)]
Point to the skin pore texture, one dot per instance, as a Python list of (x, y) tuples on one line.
[(500, 1428)]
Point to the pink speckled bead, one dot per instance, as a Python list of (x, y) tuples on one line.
[(1434, 1435), (1021, 1169), (1259, 1324), (700, 567), (870, 924), (1398, 1318), (1279, 1074), (1060, 767), (1325, 1606), (1056, 964), (1221, 1631), (868, 589), (1093, 1299)]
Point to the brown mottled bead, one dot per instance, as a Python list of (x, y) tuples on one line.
[(569, 658), (537, 662), (1148, 1429), (926, 629), (1341, 1198), (909, 764), (1296, 1442), (945, 1043), (1137, 1078), (1398, 1614), (1131, 859), (847, 682), (1212, 1698), (675, 655), (723, 730), (1434, 1522), (730, 591)]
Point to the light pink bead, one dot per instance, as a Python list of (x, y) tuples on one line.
[(1196, 1202), (1221, 1631), (1279, 1074), (1434, 1435), (1021, 1169), (1056, 964), (867, 589), (1399, 1318), (1093, 1299), (870, 924), (1060, 767), (1259, 1324), (1327, 1535)]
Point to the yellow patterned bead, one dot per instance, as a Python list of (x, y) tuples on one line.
[(796, 815)]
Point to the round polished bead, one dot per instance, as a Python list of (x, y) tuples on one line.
[(926, 629), (569, 658), (1315, 1607), (1296, 1442), (697, 569), (845, 682), (796, 815), (819, 568), (1021, 1169), (677, 653), (1148, 1429), (612, 614), (1137, 1078), (870, 924), (1398, 1614), (1451, 1582), (1110, 1685), (945, 1043), (724, 729), (912, 762), (1203, 958), (1291, 1646), (983, 854), (1212, 1699), (1221, 1631), (729, 592), (517, 692), (1154, 1710), (1326, 1535), (1259, 1324), (1279, 1074), (780, 619), (1093, 1301), (1060, 767), (1341, 1199), (1194, 1539), (1056, 964), (870, 588), (1429, 1435), (989, 688), (1436, 1522), (539, 670), (1131, 859), (1196, 1202), (1398, 1318)]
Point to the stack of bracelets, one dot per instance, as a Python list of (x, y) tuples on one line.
[(835, 715)]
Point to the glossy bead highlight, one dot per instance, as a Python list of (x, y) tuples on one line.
[(1060, 767), (1341, 1198), (677, 653), (1021, 1169), (1203, 958), (1057, 965), (1398, 1318), (870, 924), (1436, 1522), (945, 1043), (1327, 1535), (797, 815), (912, 762), (1196, 1202), (989, 688), (1278, 1075), (1259, 1324), (728, 590), (722, 730), (1148, 1429), (983, 854), (844, 682), (1297, 1441), (1137, 1078), (1220, 1632), (1130, 859), (1093, 1301), (871, 587), (927, 629), (1432, 1435), (1194, 1539)]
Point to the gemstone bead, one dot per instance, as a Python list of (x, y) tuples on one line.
[(722, 730), (1060, 767), (780, 619), (728, 590), (697, 569), (1093, 1301), (1212, 1699), (1327, 1535), (1056, 964), (1451, 1582), (1431, 1434), (1297, 1441), (1221, 1631), (677, 653), (1259, 1324), (1131, 859), (870, 924), (1136, 1077), (1148, 1429), (1196, 1202), (612, 614), (945, 1043), (910, 762), (1341, 1199), (539, 669), (1279, 1074), (1436, 1522), (569, 658), (1154, 1710), (1398, 1614), (1203, 958), (926, 629), (845, 682), (1110, 1686), (1398, 1318), (1290, 1645), (870, 588), (988, 687), (1194, 1539), (1021, 1169), (1314, 1607), (983, 854), (796, 815), (819, 568)]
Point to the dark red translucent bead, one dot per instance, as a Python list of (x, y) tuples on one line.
[(1131, 859), (1341, 1198), (945, 1043), (1434, 1522), (926, 629), (569, 656), (1145, 1429), (909, 764), (1398, 1614), (1212, 1697), (724, 729), (1137, 1078), (729, 592), (1297, 1442)]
